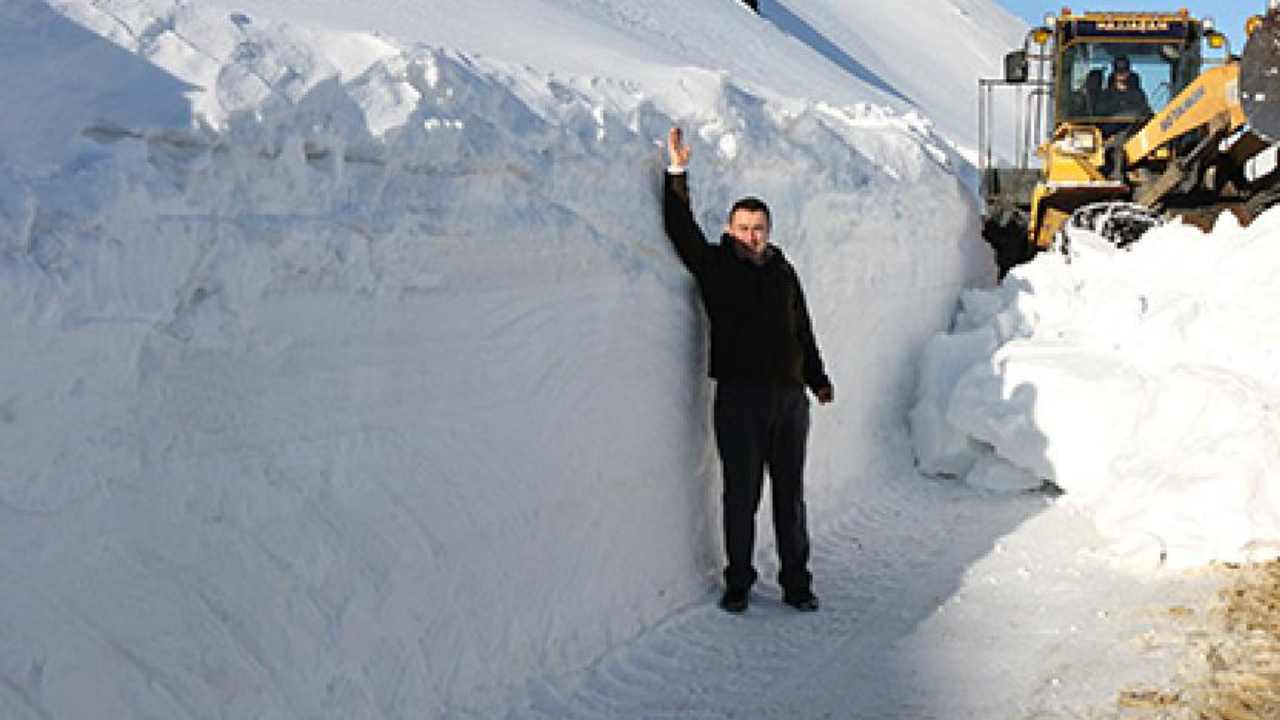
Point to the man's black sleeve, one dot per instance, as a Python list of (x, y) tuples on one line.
[(677, 217), (815, 375)]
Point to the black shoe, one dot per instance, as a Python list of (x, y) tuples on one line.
[(734, 601), (804, 600)]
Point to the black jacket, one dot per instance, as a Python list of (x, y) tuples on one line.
[(760, 329)]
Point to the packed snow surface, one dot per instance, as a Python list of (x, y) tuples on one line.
[(347, 372)]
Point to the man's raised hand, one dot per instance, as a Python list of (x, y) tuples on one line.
[(676, 149)]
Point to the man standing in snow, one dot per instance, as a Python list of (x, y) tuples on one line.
[(763, 354)]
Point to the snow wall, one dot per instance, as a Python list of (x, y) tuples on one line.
[(389, 394)]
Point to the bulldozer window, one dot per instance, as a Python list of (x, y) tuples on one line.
[(1122, 82)]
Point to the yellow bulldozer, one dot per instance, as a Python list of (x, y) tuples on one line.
[(1122, 120)]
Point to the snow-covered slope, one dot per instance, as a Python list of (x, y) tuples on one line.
[(927, 52), (347, 372)]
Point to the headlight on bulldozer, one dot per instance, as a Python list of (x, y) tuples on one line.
[(1079, 141)]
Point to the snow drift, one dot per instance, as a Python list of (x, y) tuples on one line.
[(350, 376), (1142, 383)]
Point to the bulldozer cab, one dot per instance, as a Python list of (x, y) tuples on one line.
[(1115, 83), (1109, 70), (1081, 72), (1131, 124)]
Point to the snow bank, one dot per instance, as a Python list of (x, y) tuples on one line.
[(347, 377), (1142, 383)]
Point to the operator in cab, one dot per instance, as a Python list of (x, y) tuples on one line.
[(1123, 94)]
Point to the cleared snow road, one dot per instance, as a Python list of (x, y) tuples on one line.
[(939, 602)]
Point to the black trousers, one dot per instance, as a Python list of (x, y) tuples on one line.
[(759, 426)]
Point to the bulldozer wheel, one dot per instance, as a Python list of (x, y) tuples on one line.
[(1119, 223)]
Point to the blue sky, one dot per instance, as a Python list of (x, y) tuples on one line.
[(1229, 14)]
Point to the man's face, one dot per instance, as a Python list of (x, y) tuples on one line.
[(751, 229), (1122, 74)]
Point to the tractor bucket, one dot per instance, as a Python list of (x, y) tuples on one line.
[(1260, 78)]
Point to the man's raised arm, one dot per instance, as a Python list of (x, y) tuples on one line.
[(677, 216)]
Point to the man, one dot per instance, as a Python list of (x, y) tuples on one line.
[(763, 354), (1124, 95), (1084, 102)]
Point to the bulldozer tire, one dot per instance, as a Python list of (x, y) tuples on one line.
[(1119, 223)]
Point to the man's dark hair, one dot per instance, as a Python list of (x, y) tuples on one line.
[(752, 204)]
